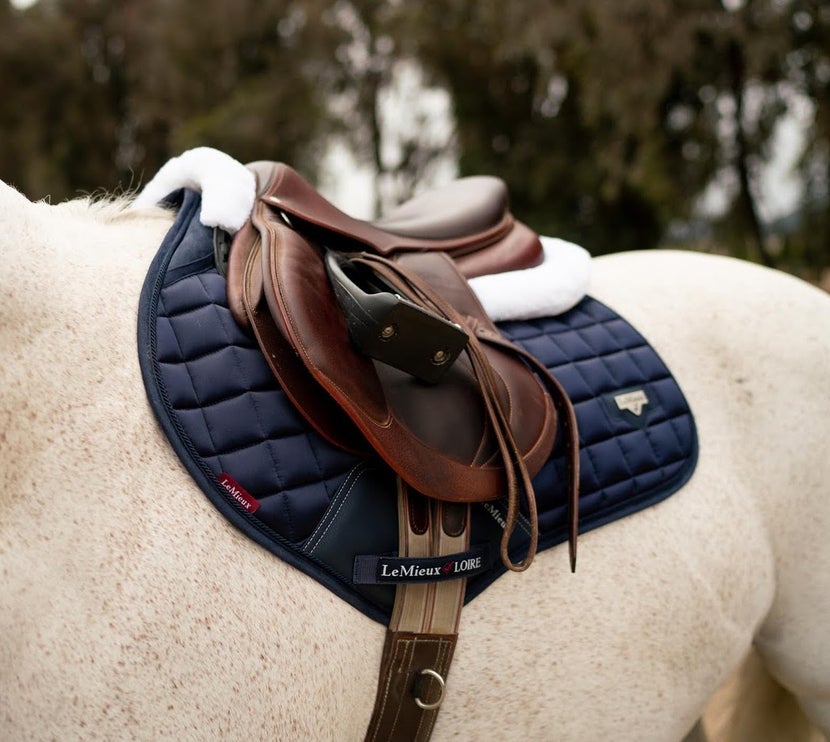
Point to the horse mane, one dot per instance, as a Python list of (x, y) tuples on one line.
[(102, 206), (108, 208)]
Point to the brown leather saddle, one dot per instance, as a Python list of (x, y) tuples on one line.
[(489, 422), (374, 333)]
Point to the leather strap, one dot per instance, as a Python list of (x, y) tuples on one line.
[(317, 406), (423, 629), (415, 275)]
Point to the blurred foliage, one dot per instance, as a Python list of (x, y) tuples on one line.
[(608, 120)]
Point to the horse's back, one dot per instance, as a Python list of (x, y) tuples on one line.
[(132, 609), (751, 348)]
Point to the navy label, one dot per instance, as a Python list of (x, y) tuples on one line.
[(380, 570)]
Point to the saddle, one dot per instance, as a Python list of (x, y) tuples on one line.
[(487, 426), (378, 340)]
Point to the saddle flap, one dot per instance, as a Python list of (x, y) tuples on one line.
[(437, 437), (272, 336)]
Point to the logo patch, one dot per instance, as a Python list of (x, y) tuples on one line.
[(634, 406), (633, 402), (239, 493)]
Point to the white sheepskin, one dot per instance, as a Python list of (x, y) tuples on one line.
[(228, 191)]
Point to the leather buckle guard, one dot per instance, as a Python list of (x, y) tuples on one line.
[(389, 327)]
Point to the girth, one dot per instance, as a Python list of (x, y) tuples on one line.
[(423, 629)]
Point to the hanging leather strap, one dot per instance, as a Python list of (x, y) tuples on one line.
[(424, 626), (407, 274)]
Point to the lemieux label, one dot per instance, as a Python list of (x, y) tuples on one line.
[(375, 570), (634, 406), (632, 402), (239, 493)]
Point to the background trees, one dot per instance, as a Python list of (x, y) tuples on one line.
[(619, 125)]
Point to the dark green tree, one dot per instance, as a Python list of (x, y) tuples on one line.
[(106, 92), (608, 120), (61, 120)]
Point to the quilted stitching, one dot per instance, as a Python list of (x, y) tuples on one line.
[(239, 420), (594, 352), (223, 411)]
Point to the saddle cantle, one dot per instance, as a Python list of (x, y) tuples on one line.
[(480, 433)]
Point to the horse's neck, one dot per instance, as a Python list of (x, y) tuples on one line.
[(106, 539), (86, 448), (68, 311)]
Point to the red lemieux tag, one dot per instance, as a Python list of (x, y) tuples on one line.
[(239, 493)]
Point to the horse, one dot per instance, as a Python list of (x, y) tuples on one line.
[(131, 609)]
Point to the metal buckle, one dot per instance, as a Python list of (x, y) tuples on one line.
[(441, 684), (221, 250)]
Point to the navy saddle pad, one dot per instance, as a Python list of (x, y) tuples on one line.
[(320, 508)]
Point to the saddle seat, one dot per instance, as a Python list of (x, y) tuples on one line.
[(462, 207), (468, 219), (465, 206)]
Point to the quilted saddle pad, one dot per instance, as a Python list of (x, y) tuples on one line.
[(319, 508)]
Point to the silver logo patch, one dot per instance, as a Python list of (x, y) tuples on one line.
[(632, 402)]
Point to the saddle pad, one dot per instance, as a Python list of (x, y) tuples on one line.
[(318, 507)]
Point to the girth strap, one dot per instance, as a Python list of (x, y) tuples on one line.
[(424, 626)]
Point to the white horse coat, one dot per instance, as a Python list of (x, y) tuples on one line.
[(129, 608)]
